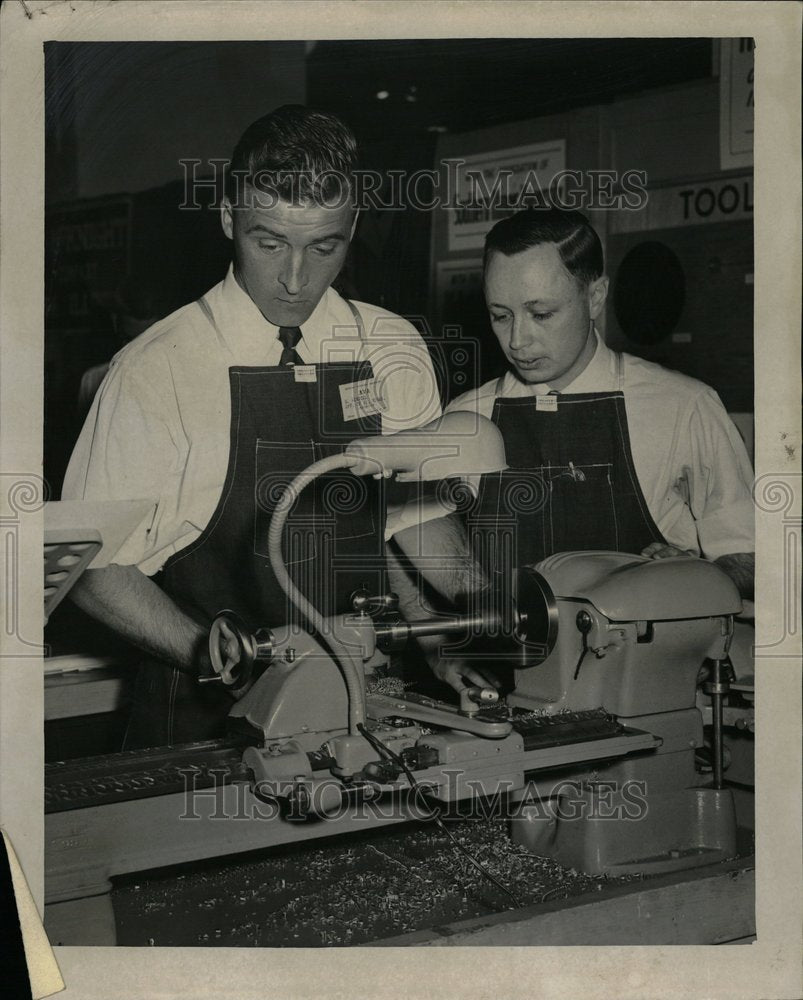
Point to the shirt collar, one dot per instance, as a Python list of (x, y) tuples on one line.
[(599, 375), (241, 321)]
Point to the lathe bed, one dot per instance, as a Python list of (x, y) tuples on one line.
[(137, 774)]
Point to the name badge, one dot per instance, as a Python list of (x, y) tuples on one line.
[(546, 404), (305, 373), (361, 399)]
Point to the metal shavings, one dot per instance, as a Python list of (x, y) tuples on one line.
[(396, 862), (352, 890), (393, 687)]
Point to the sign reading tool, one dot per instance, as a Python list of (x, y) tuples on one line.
[(493, 185), (693, 204)]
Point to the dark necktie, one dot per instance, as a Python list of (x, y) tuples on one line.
[(290, 336)]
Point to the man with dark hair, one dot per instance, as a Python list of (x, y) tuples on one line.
[(296, 153), (605, 450), (212, 410)]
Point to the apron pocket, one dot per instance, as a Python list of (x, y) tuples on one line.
[(276, 465), (338, 504), (582, 508), (507, 524), (348, 502)]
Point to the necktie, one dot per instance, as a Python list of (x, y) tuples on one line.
[(290, 336)]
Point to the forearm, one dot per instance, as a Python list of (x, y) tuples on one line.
[(127, 601), (412, 603), (439, 551), (741, 568), (435, 556)]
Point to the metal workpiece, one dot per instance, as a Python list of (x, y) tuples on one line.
[(393, 635), (474, 698), (365, 603)]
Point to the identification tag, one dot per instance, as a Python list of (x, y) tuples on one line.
[(546, 404), (305, 373), (361, 399)]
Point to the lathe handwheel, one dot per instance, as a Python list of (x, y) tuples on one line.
[(231, 649)]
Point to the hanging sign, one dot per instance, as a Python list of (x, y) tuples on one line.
[(493, 185)]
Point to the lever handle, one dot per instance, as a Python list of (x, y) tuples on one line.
[(234, 650), (584, 623)]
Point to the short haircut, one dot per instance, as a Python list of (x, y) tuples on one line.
[(571, 232), (297, 154)]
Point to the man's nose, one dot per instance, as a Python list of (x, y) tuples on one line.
[(521, 336), (293, 275)]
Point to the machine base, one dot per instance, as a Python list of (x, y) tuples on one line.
[(672, 831)]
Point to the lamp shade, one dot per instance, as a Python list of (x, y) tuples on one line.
[(456, 444)]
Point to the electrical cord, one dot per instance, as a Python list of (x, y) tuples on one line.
[(433, 814)]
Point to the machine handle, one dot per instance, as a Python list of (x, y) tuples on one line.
[(234, 650)]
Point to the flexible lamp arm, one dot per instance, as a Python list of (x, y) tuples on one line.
[(346, 660), (454, 444)]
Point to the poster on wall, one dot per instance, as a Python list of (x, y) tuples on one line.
[(456, 281), (88, 252), (736, 103), (460, 354), (494, 184)]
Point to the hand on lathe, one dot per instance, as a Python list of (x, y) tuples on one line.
[(457, 675), (658, 550), (230, 654)]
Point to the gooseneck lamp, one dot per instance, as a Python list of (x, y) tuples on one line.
[(456, 444)]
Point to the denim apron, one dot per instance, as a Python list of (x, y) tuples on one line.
[(282, 420), (570, 484)]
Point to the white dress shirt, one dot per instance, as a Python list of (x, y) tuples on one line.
[(691, 463), (159, 426)]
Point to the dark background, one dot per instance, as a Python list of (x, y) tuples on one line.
[(119, 116)]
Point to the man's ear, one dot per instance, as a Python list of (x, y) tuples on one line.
[(597, 294), (227, 218)]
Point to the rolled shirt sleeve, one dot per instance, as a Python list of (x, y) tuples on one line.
[(159, 428), (720, 483), (127, 450), (402, 367)]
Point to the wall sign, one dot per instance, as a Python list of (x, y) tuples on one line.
[(87, 251), (698, 203), (736, 103), (491, 186), (456, 281)]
